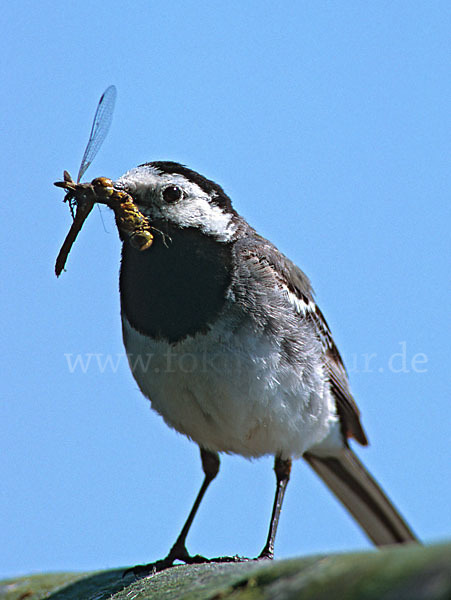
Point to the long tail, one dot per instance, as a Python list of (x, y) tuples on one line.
[(348, 479)]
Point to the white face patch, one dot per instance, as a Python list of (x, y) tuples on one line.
[(194, 209)]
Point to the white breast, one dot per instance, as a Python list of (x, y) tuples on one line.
[(230, 391)]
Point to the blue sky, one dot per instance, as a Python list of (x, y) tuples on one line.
[(328, 125)]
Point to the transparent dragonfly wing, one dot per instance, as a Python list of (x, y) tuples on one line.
[(100, 127)]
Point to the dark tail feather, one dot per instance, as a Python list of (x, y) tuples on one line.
[(348, 479)]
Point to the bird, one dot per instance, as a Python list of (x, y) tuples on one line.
[(224, 337)]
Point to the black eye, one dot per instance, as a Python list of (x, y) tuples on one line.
[(172, 193)]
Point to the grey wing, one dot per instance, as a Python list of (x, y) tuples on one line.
[(292, 277), (346, 406)]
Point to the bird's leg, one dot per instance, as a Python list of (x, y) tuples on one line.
[(282, 469), (210, 466)]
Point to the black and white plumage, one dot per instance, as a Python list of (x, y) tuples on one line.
[(225, 339)]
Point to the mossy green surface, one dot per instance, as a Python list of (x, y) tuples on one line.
[(403, 573)]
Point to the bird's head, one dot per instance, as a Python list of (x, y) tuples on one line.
[(175, 197)]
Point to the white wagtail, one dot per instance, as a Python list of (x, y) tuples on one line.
[(225, 339)]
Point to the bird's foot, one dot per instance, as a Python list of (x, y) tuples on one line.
[(265, 556), (176, 553), (267, 553), (181, 553)]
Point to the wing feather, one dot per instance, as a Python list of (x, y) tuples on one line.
[(294, 280)]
